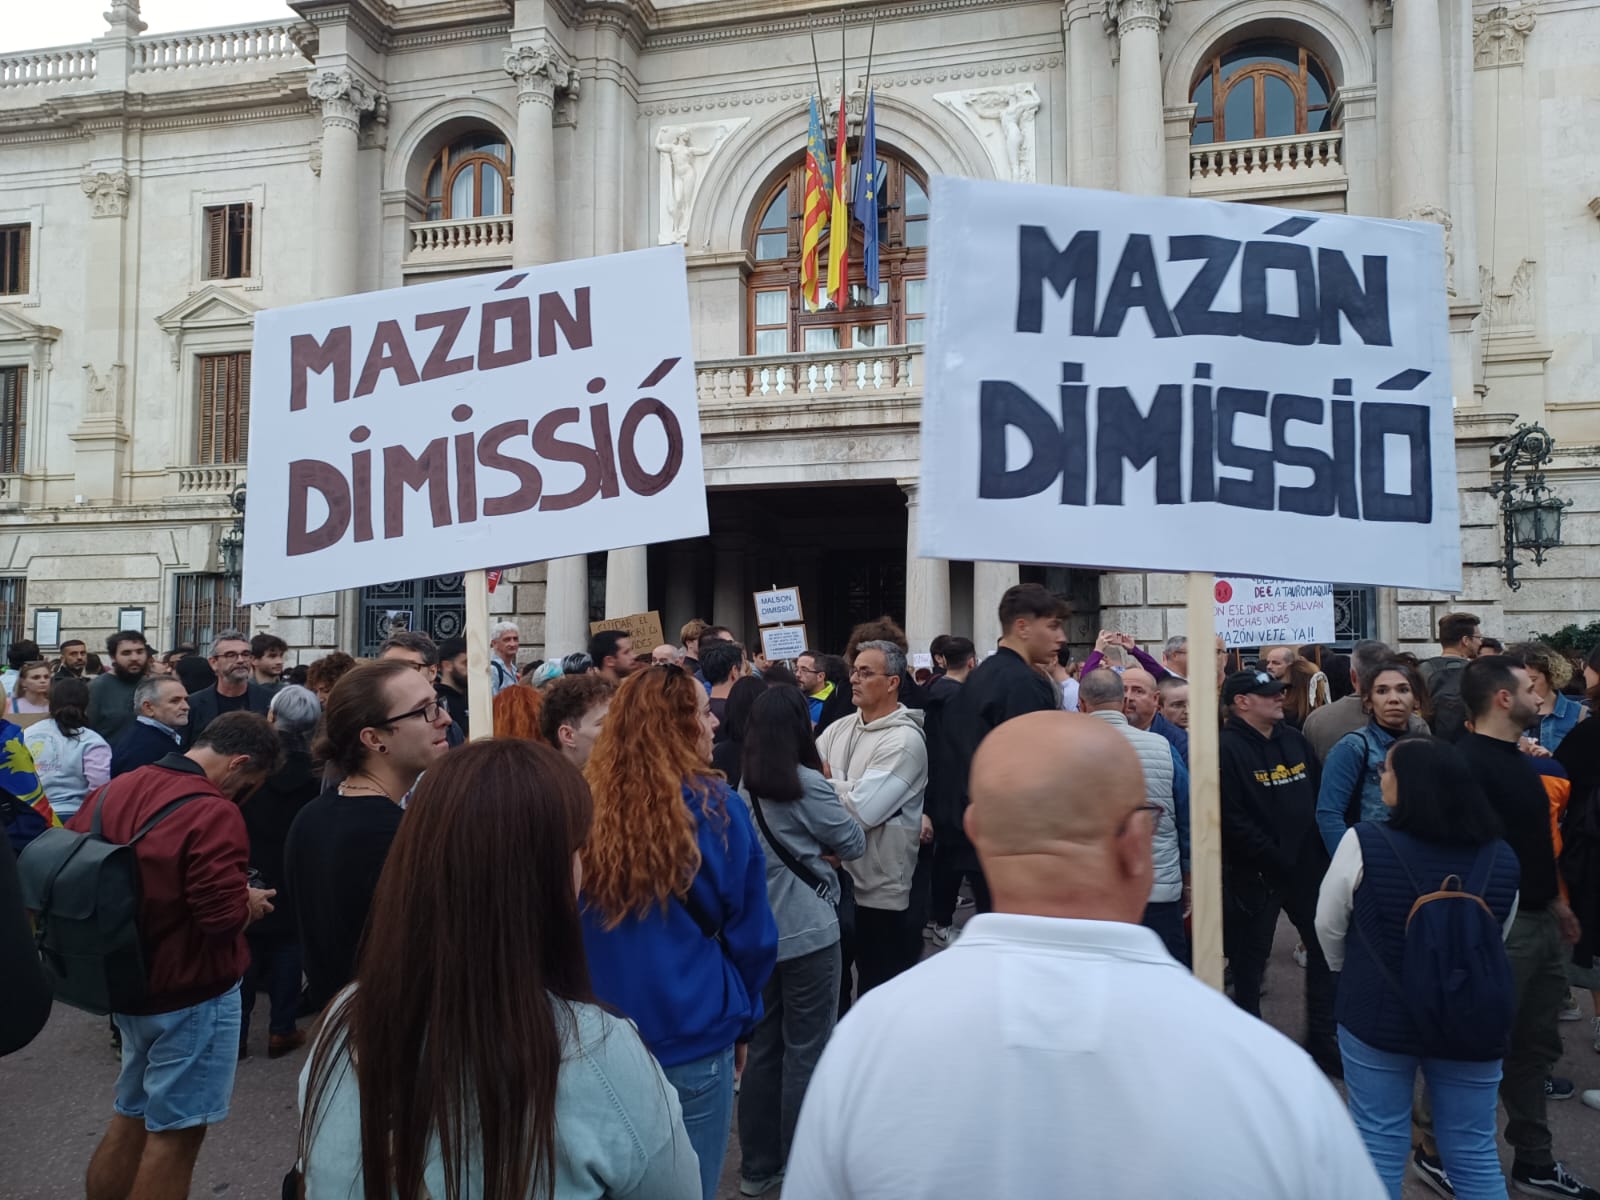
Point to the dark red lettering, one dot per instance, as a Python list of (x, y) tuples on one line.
[(449, 324), (547, 445), (306, 354), (529, 483), (304, 475), (466, 481), (388, 352), (554, 314), (640, 481), (361, 485), (521, 349), (401, 471), (600, 426)]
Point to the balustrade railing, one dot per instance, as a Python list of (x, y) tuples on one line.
[(207, 481), (888, 370), (1267, 162), (59, 64), (465, 236), (216, 47)]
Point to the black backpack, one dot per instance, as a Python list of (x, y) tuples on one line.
[(85, 893)]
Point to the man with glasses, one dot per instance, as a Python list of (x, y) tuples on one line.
[(1097, 1066), (1166, 786), (827, 701), (234, 690), (382, 728), (1273, 858), (418, 651)]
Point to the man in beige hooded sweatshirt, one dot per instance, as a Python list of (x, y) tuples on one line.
[(878, 762)]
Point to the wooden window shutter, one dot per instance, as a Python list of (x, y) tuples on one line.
[(208, 380), (239, 414), (24, 279), (13, 403), (216, 242), (246, 245)]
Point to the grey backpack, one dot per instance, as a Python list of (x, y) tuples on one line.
[(84, 892)]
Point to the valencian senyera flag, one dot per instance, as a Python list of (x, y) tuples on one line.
[(839, 221), (819, 187), (867, 197)]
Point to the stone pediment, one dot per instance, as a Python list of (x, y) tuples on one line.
[(14, 327), (209, 308)]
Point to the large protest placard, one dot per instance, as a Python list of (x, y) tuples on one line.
[(515, 416), (1180, 385), (644, 628), (1273, 612)]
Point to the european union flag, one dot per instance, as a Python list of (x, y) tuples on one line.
[(867, 183)]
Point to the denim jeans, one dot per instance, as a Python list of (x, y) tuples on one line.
[(800, 1003), (1380, 1085), (178, 1067), (705, 1091), (275, 963), (1165, 919)]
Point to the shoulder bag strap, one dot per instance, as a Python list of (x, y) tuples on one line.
[(161, 815), (801, 871), (1352, 806), (709, 927)]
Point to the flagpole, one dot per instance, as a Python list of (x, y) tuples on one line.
[(821, 96), (872, 38)]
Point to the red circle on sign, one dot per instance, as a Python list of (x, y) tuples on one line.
[(1224, 591)]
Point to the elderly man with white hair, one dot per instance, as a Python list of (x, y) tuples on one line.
[(274, 940), (505, 639)]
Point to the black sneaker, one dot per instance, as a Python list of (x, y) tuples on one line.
[(1557, 1088), (1430, 1170), (1554, 1180)]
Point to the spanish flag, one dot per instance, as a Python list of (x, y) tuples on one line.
[(839, 222), (816, 210)]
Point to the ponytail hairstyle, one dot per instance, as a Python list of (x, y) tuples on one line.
[(69, 705)]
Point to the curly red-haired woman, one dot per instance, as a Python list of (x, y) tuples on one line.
[(516, 713), (676, 922)]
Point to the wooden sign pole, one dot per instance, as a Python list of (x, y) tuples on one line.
[(480, 694), (1205, 821)]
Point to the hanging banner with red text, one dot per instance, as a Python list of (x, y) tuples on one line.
[(1273, 612), (516, 416)]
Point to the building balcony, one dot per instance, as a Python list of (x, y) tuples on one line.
[(476, 243), (199, 483), (882, 373), (1264, 168)]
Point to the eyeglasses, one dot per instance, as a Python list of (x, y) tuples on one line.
[(860, 673), (429, 712), (1158, 811), (234, 655), (415, 666)]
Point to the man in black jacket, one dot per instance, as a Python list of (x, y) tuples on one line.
[(234, 690), (162, 708), (1272, 858), (1009, 683)]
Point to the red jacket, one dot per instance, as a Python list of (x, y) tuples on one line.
[(192, 873)]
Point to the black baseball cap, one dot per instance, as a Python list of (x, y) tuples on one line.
[(1250, 683)]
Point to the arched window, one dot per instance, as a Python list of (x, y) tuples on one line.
[(1260, 89), (471, 177), (778, 320)]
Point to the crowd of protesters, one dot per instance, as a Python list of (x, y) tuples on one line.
[(704, 861)]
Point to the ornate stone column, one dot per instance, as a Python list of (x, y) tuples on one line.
[(101, 438), (540, 72), (927, 584), (344, 97), (989, 582), (1137, 25)]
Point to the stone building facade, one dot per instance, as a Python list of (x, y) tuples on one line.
[(158, 191)]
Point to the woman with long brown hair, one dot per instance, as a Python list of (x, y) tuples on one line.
[(675, 915), (463, 1081)]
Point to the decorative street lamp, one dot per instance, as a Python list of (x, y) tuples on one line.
[(230, 546), (1531, 512)]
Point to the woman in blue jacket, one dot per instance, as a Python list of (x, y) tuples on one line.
[(680, 935), (1352, 772), (1440, 825)]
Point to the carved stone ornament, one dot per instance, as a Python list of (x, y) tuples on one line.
[(102, 393), (1381, 14), (1430, 212), (540, 72), (685, 151), (1122, 15), (124, 18), (343, 97), (1002, 118), (1511, 304), (108, 192), (1498, 35)]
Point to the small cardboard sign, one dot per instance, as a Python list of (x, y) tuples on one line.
[(780, 606), (784, 642), (644, 628)]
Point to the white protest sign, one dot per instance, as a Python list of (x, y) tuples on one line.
[(1273, 612), (515, 416), (779, 607), (783, 641), (1182, 385)]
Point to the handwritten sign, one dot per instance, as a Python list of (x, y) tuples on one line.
[(1157, 383), (783, 641), (781, 606), (643, 628), (1273, 612), (552, 410)]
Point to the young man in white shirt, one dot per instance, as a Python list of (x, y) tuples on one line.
[(1066, 1011)]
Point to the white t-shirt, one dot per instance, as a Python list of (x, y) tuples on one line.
[(1094, 1065)]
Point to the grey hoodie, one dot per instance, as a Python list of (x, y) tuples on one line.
[(880, 770), (814, 825)]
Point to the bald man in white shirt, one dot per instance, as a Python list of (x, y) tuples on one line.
[(1100, 1067)]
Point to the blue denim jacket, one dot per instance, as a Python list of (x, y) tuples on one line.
[(1567, 713), (1355, 760)]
